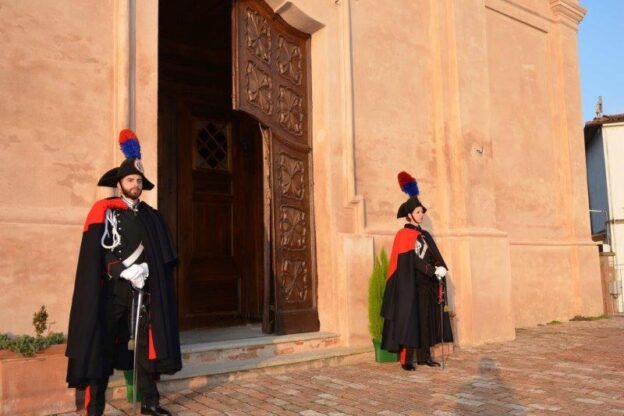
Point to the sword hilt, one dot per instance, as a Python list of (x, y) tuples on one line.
[(133, 312)]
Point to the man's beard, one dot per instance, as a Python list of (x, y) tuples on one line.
[(132, 193)]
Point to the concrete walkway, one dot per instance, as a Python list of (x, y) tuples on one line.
[(573, 368)]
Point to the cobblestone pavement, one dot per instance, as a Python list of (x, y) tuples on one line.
[(574, 368)]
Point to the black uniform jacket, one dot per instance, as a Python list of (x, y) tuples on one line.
[(408, 273), (84, 338)]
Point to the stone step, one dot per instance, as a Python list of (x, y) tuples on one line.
[(263, 347), (203, 361), (205, 374), (201, 375), (209, 363)]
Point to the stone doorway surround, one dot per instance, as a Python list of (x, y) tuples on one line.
[(332, 107)]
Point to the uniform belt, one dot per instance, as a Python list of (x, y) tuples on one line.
[(132, 258)]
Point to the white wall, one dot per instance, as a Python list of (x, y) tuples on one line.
[(613, 135)]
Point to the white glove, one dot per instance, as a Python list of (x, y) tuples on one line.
[(136, 275), (440, 272)]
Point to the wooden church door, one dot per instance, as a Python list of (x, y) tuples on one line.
[(271, 83)]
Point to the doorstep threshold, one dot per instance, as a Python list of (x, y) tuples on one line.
[(256, 341)]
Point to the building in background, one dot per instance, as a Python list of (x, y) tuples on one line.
[(604, 148)]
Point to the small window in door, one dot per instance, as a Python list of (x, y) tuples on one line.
[(212, 144)]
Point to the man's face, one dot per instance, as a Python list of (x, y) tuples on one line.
[(417, 215), (131, 186)]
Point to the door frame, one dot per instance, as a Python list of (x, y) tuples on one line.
[(166, 150)]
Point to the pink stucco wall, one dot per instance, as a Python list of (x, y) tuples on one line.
[(56, 106), (479, 99)]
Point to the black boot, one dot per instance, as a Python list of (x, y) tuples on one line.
[(154, 410), (408, 367), (429, 362), (95, 397)]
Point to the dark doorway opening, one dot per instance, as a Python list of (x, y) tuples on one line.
[(210, 169)]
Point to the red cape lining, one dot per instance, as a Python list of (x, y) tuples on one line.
[(404, 241), (97, 215)]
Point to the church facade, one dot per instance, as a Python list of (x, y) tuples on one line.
[(274, 131)]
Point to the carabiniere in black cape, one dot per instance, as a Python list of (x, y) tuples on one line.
[(407, 274), (84, 334)]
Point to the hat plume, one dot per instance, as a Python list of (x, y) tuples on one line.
[(408, 184), (129, 144)]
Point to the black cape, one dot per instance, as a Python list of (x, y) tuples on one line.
[(84, 343), (405, 276)]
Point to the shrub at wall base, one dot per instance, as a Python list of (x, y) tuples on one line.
[(376, 287)]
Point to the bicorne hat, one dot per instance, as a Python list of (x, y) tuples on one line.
[(410, 187), (131, 166)]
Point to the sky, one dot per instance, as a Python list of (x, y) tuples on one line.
[(601, 49)]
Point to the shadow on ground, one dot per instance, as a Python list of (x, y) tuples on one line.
[(488, 394)]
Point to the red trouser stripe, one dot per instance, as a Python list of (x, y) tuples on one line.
[(152, 350), (403, 355), (87, 399)]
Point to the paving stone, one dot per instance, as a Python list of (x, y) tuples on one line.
[(589, 401), (544, 407), (550, 370)]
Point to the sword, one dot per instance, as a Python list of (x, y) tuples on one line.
[(442, 331), (131, 322), (137, 314), (132, 258), (441, 298)]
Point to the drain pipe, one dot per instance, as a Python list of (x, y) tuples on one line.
[(132, 64)]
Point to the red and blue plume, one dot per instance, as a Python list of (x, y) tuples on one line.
[(408, 184), (129, 144)]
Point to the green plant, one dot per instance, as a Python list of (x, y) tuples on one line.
[(28, 345), (40, 321), (4, 341), (589, 318), (376, 287)]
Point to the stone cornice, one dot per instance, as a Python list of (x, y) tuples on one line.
[(567, 12), (521, 14)]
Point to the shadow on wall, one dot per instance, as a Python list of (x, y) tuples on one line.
[(489, 388)]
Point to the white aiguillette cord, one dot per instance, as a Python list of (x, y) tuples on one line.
[(112, 220)]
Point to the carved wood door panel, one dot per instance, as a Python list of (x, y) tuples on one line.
[(271, 83)]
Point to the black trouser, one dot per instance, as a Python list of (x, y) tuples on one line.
[(95, 397), (118, 304), (423, 353)]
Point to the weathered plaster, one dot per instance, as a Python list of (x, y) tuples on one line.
[(479, 99)]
